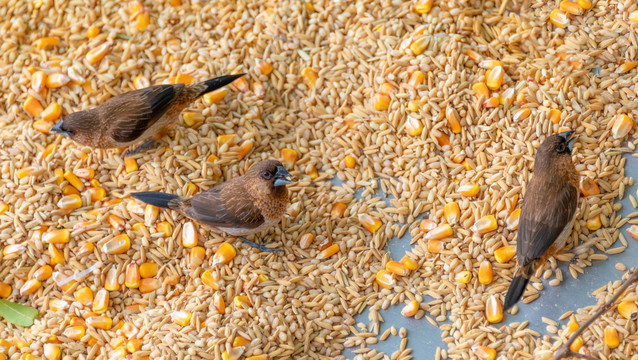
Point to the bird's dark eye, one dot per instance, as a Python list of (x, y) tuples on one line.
[(561, 147), (266, 174)]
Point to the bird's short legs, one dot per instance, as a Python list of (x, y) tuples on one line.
[(261, 247), (150, 144)]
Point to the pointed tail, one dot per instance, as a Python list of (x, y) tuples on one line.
[(216, 83), (160, 199), (517, 286)]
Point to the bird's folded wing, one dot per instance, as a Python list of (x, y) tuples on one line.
[(222, 207), (134, 112), (547, 210)]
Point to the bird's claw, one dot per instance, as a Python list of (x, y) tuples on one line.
[(261, 247), (150, 144)]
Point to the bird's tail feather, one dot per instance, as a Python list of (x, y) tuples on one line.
[(216, 83), (517, 286), (160, 199)]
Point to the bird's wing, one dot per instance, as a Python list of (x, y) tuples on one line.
[(224, 206), (547, 209), (138, 110)]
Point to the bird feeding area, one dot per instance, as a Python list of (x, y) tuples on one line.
[(417, 120)]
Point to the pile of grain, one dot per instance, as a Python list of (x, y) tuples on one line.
[(307, 306)]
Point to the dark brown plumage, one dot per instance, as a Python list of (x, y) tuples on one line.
[(240, 207), (547, 215), (135, 117)]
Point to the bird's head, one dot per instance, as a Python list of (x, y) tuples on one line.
[(76, 126), (269, 175), (559, 144)]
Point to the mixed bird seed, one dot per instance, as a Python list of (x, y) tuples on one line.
[(437, 105)]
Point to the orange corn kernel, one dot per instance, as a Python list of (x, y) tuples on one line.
[(493, 310), (141, 82), (244, 149), (190, 236), (504, 254), (101, 301), (132, 276), (621, 126), (507, 97), (182, 318), (633, 231), (585, 4), (381, 102), (215, 96), (240, 341), (409, 263), (150, 214), (38, 82), (149, 285), (100, 322), (350, 161), (50, 149), (577, 344), (416, 78), (413, 126), (463, 277), (410, 309), (559, 18), (44, 272), (628, 310), (397, 268), (116, 222), (33, 106), (118, 245), (512, 219), (52, 352), (43, 126), (56, 256), (324, 244), (86, 173), (112, 282), (289, 157), (47, 42), (385, 279), (5, 291), (30, 287), (223, 139), (143, 21), (13, 249), (225, 254), (57, 80), (92, 32), (489, 64), (483, 352), (184, 79), (427, 225), (310, 76), (60, 236), (414, 105), (611, 338), (74, 180), (594, 223), (423, 6), (469, 190), (521, 114), (210, 279), (337, 210), (494, 79), (328, 252), (370, 223), (480, 89), (485, 224), (75, 333), (84, 296), (148, 270), (571, 7), (52, 112), (130, 165), (491, 103), (197, 256), (440, 232), (265, 67), (419, 45), (96, 194), (626, 66), (486, 273), (134, 345), (588, 186), (165, 227), (453, 121), (306, 240), (242, 302), (554, 115), (241, 84), (452, 212)]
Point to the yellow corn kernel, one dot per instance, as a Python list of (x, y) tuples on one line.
[(92, 32), (30, 287), (559, 18), (132, 276), (337, 210), (100, 322), (149, 285), (57, 80), (463, 277), (135, 7), (413, 126), (73, 180), (306, 240), (190, 236), (419, 45), (134, 345), (494, 79), (140, 357), (33, 106), (101, 301), (381, 102), (84, 296), (452, 212), (43, 273), (512, 219), (504, 254), (262, 278), (633, 231), (611, 338), (423, 6), (486, 274), (209, 279), (96, 55), (370, 223), (165, 227), (577, 344), (13, 249), (572, 326), (148, 270), (416, 78), (491, 103), (38, 82), (493, 310), (633, 16), (622, 125), (485, 224), (52, 112), (70, 190), (627, 66), (150, 214), (473, 55), (184, 79), (143, 21), (350, 161), (585, 4), (410, 309), (60, 236), (240, 341), (218, 302), (480, 89), (94, 183), (20, 344), (594, 223), (141, 82), (310, 76), (52, 352), (521, 114), (507, 97), (58, 305), (409, 263), (46, 42), (56, 256), (116, 222), (118, 245), (385, 279), (242, 84), (265, 67), (75, 332), (130, 165), (453, 121), (137, 226), (5, 291), (469, 190), (311, 171), (28, 356), (197, 256), (244, 149), (223, 139), (427, 225), (182, 318), (242, 302), (215, 96), (554, 115), (92, 341), (225, 254), (483, 352), (628, 310), (413, 105), (440, 232), (397, 268), (49, 150), (489, 64), (387, 89), (571, 7), (97, 194), (328, 252), (289, 157), (112, 283)]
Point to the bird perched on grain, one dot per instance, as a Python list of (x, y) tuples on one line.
[(240, 207), (547, 215), (138, 117)]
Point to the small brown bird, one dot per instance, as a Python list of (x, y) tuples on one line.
[(240, 207), (547, 215), (135, 117)]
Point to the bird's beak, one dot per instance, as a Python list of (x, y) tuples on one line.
[(57, 129), (567, 135), (282, 177)]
